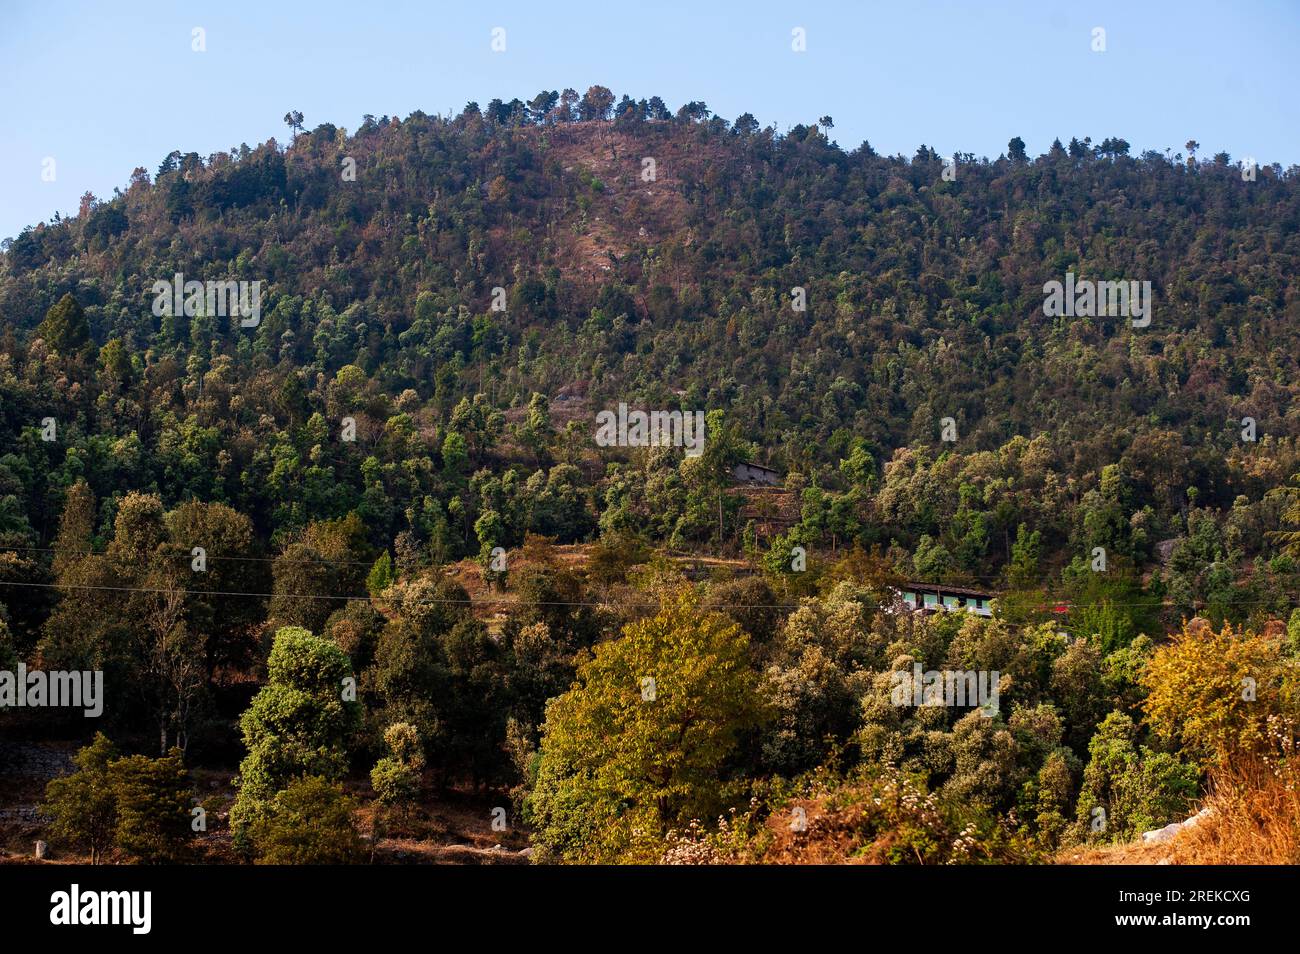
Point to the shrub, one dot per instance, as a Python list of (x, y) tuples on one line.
[(396, 777), (308, 823)]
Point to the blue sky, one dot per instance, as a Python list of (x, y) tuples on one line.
[(103, 88)]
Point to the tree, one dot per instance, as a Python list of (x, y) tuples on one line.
[(293, 119), (1016, 150), (381, 575), (745, 125), (437, 668), (396, 777), (116, 371), (310, 822), (1127, 788), (1212, 693), (1022, 571), (153, 807), (568, 100), (304, 582), (298, 723), (1113, 146), (640, 742), (537, 432), (1290, 538), (540, 106), (596, 104), (355, 629), (231, 564), (137, 804), (76, 527), (692, 112), (172, 657), (83, 806), (65, 328)]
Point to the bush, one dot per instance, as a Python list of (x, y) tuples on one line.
[(396, 777), (309, 823), (881, 815)]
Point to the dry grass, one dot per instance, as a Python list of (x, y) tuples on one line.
[(1256, 819)]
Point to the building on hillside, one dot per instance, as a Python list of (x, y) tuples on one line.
[(756, 475), (933, 597)]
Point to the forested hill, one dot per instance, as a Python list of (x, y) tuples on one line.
[(651, 258)]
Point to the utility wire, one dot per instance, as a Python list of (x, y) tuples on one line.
[(503, 601)]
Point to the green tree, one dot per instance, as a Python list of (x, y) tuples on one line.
[(641, 741), (596, 103), (298, 723), (396, 777), (1023, 571), (537, 432), (1127, 788), (381, 575), (293, 119), (83, 806), (65, 328), (153, 807), (230, 565)]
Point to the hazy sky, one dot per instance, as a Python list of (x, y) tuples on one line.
[(105, 87)]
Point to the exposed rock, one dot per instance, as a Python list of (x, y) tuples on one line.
[(1165, 549), (1169, 831)]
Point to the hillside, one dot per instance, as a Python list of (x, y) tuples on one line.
[(924, 301), (387, 476)]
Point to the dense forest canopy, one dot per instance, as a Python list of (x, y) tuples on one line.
[(230, 515), (653, 259), (665, 284)]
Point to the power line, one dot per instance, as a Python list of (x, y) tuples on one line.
[(207, 556), (475, 601)]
